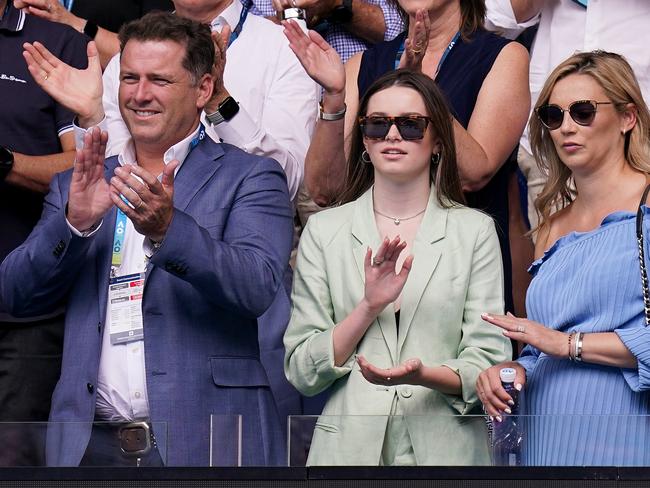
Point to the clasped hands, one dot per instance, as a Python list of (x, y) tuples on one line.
[(147, 202)]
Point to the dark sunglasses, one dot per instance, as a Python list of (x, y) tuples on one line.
[(582, 112), (410, 127)]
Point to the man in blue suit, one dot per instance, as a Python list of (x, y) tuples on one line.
[(166, 255)]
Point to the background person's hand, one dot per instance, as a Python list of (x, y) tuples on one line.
[(79, 90), (51, 10), (321, 62), (89, 197), (415, 47), (219, 93)]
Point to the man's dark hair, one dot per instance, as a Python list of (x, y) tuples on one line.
[(165, 26)]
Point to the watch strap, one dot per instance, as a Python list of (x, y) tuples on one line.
[(226, 111)]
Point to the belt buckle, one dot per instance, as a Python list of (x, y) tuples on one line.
[(135, 439)]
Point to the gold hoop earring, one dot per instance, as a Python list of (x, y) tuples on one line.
[(365, 157)]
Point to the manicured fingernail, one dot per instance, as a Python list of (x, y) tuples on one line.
[(508, 411), (511, 403), (518, 386), (486, 315), (498, 417)]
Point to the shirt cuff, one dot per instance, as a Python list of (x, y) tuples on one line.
[(84, 233), (80, 132), (240, 131)]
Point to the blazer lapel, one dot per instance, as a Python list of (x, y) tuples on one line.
[(197, 169), (427, 248), (366, 235)]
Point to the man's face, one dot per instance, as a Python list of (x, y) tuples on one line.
[(159, 101)]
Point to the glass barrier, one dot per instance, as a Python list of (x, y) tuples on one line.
[(225, 440), (100, 444), (471, 440)]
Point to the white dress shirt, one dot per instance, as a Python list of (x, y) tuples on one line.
[(278, 101), (619, 26), (121, 382)]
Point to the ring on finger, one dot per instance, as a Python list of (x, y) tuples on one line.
[(521, 328), (377, 261), (293, 2), (140, 204), (46, 76), (48, 7), (387, 378)]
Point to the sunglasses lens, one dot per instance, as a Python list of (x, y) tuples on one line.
[(551, 116), (411, 128), (375, 127), (582, 113)]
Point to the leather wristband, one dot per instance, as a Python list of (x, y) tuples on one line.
[(90, 29)]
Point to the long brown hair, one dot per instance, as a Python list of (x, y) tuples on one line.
[(472, 16), (360, 176), (613, 73)]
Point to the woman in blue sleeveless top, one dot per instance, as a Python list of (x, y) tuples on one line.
[(587, 368), (483, 76)]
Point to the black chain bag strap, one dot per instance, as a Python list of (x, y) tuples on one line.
[(644, 273)]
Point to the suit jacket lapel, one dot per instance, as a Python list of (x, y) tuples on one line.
[(427, 248), (197, 169), (366, 235)]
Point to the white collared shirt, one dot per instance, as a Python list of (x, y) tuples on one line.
[(278, 102), (121, 382), (566, 27)]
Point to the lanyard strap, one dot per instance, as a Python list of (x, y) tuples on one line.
[(67, 4), (451, 45), (120, 221), (240, 25)]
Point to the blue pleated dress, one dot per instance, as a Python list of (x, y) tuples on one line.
[(589, 414)]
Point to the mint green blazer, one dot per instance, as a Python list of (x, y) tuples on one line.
[(456, 275)]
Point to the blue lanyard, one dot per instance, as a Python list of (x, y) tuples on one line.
[(67, 4), (582, 3), (451, 45), (240, 25), (120, 221)]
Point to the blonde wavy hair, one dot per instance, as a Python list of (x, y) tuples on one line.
[(616, 77)]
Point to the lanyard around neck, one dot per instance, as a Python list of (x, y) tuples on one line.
[(451, 45), (120, 221), (240, 25)]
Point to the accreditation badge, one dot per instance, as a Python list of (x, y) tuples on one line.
[(125, 301)]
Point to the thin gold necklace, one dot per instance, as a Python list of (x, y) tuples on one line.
[(397, 220)]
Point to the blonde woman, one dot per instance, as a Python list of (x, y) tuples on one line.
[(586, 368)]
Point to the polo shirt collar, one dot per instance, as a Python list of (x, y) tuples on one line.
[(13, 19)]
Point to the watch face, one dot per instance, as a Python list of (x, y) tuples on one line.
[(341, 14)]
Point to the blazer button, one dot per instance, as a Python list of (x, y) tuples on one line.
[(406, 392), (91, 388)]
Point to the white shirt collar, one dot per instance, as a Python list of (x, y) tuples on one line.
[(230, 15), (178, 151)]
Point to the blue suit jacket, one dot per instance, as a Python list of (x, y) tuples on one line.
[(220, 266)]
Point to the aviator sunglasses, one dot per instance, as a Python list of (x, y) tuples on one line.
[(410, 127), (582, 112)]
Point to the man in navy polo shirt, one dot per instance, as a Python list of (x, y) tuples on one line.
[(36, 141)]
